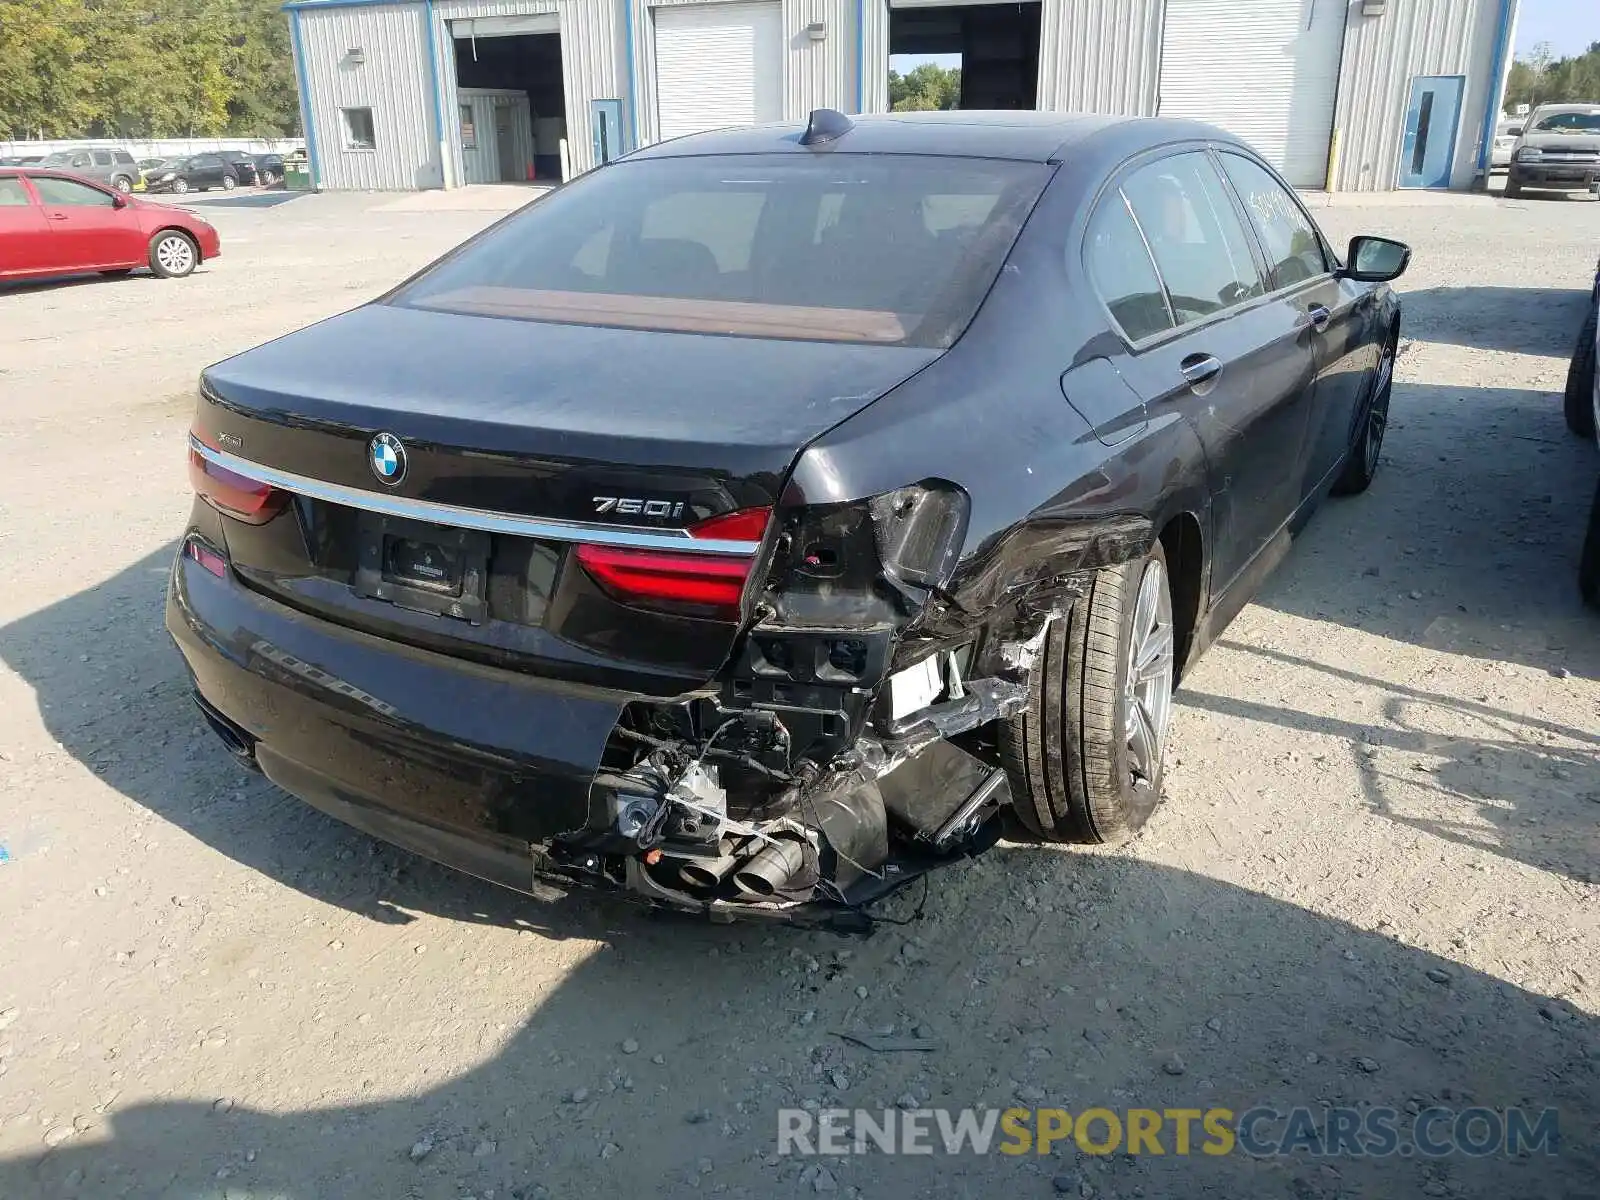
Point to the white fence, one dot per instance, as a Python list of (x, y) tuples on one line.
[(158, 147)]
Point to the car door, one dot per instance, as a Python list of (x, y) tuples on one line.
[(211, 169), (103, 163), (88, 230), (24, 233), (1340, 311), (1235, 362)]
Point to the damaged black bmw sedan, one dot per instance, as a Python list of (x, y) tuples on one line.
[(772, 515)]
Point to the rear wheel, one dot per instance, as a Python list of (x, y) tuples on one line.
[(1362, 464), (229, 183), (123, 184), (1085, 756), (1579, 402), (172, 254), (1589, 560)]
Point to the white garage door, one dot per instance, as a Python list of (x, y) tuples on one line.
[(1264, 70), (718, 65)]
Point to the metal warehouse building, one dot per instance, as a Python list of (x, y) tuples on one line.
[(1353, 95)]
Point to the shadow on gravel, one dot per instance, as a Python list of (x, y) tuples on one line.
[(1520, 320), (235, 199), (1468, 540), (1523, 788), (1076, 974), (1265, 1003)]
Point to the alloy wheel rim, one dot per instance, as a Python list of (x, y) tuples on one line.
[(1148, 691), (175, 255)]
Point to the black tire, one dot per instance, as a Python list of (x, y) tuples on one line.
[(1589, 560), (1068, 753), (167, 258), (1513, 188), (1362, 464), (123, 184), (1578, 403)]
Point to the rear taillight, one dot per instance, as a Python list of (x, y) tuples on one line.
[(706, 585), (206, 556), (239, 496)]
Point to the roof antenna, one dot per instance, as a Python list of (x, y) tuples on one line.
[(825, 125)]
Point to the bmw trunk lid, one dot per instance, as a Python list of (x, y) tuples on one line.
[(434, 478)]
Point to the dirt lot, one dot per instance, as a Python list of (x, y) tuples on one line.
[(1374, 881)]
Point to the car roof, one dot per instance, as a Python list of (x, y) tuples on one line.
[(1565, 108), (1021, 135)]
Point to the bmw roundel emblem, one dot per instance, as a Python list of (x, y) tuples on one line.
[(387, 458)]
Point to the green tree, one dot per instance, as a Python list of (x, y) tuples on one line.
[(1541, 78), (925, 88), (145, 68)]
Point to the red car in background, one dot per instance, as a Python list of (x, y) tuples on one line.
[(56, 223)]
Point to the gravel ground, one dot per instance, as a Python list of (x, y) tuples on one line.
[(1373, 881)]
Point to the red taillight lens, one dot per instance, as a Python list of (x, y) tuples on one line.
[(243, 498), (745, 525), (206, 557), (708, 585)]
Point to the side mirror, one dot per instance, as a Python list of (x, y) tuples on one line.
[(118, 200), (1376, 260)]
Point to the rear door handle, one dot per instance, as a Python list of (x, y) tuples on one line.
[(1200, 368), (1320, 316)]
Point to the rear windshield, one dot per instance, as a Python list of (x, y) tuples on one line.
[(894, 250)]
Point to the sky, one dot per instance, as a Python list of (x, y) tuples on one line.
[(1568, 25)]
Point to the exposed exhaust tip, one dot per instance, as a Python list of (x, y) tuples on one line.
[(772, 868)]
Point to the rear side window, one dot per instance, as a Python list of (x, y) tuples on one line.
[(1294, 251), (102, 158), (124, 157), (1122, 273), (12, 194), (839, 247), (1194, 232), (70, 193)]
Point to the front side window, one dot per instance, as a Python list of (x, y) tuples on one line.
[(1122, 273), (1294, 251), (1199, 245), (70, 193), (13, 194), (358, 131), (80, 161), (839, 247)]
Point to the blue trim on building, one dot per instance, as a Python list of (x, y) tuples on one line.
[(1491, 106), (633, 75), (442, 141), (306, 119)]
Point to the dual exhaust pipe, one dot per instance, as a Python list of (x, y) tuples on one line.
[(758, 876)]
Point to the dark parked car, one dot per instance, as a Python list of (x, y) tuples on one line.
[(115, 168), (53, 223), (1580, 407), (794, 504), (1559, 149), (196, 173), (269, 169), (244, 167)]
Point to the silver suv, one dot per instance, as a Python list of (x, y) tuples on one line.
[(114, 167)]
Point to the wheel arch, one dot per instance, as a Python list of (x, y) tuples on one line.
[(1182, 539)]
